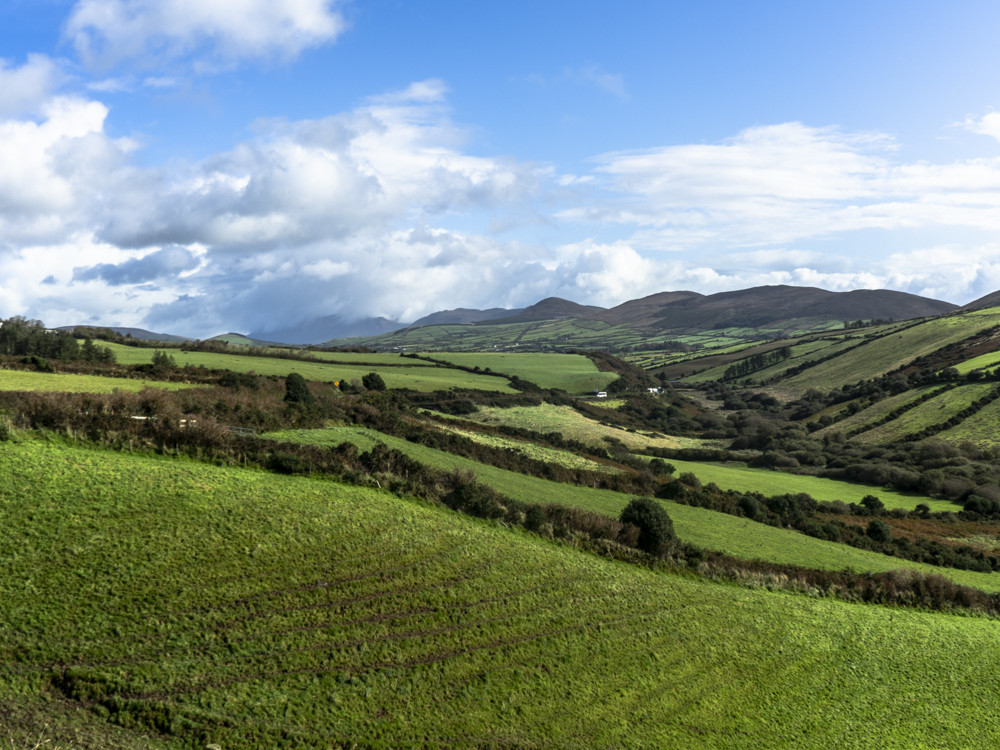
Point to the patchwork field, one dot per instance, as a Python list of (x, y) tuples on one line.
[(888, 352), (769, 482), (573, 373), (706, 528), (932, 412), (572, 424), (418, 376)]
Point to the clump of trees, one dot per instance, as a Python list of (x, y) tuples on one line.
[(30, 339)]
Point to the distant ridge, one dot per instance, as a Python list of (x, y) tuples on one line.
[(550, 308), (760, 306), (463, 315), (990, 300), (323, 329)]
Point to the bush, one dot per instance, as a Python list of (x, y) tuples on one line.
[(296, 390), (878, 531), (373, 382), (656, 530)]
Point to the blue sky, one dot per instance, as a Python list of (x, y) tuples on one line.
[(197, 166)]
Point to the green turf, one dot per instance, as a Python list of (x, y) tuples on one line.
[(17, 380), (204, 605)]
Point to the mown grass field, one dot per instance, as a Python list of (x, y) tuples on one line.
[(199, 605), (706, 528), (17, 380), (573, 373), (418, 376)]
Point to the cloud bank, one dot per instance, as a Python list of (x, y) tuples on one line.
[(387, 209)]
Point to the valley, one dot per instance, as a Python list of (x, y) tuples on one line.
[(224, 543)]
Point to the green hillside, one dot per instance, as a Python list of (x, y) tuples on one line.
[(157, 603)]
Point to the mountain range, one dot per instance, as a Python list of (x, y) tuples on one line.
[(777, 309), (677, 311)]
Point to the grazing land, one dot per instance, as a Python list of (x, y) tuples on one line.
[(573, 373), (188, 604), (572, 424), (19, 380), (418, 377), (274, 561)]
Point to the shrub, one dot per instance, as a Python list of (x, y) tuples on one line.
[(878, 530), (373, 382), (656, 530), (296, 390)]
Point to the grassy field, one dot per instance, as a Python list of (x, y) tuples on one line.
[(706, 528), (16, 380), (931, 412), (891, 351), (418, 376), (573, 373), (768, 482), (877, 411), (195, 605), (979, 429), (572, 424)]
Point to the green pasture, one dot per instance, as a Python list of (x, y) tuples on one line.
[(572, 424), (982, 362), (197, 605), (573, 373), (980, 429), (17, 380), (736, 536), (737, 476), (872, 414), (932, 412), (533, 450), (892, 350), (417, 376)]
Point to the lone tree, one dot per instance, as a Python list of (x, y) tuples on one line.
[(656, 530), (296, 390), (373, 382)]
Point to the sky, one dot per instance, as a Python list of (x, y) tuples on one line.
[(202, 166)]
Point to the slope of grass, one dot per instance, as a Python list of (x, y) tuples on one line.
[(17, 380), (979, 429), (933, 411), (744, 478), (573, 373), (572, 424), (706, 528), (889, 352), (199, 605), (870, 415)]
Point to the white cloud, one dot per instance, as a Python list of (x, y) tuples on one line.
[(776, 184), (988, 124), (24, 89), (217, 32)]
